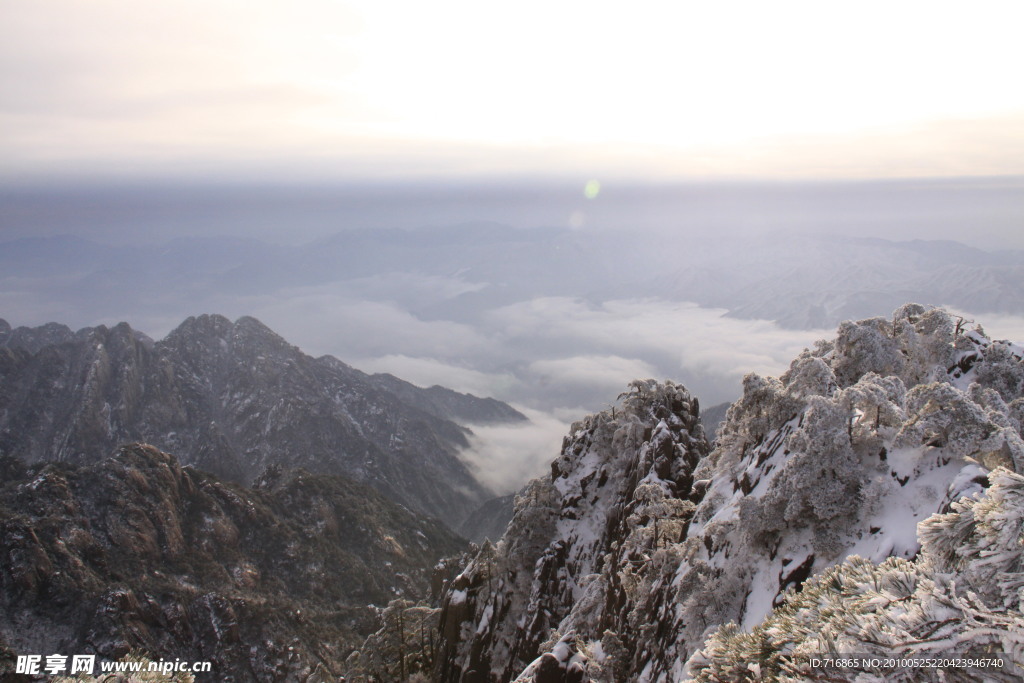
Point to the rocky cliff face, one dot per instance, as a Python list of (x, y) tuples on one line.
[(622, 488), (233, 399), (490, 520), (641, 544), (137, 552)]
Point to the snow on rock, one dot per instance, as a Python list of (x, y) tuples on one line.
[(960, 599), (625, 473), (564, 663), (641, 544)]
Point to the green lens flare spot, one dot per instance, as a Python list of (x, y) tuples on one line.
[(591, 189)]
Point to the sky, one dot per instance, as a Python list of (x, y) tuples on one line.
[(322, 89)]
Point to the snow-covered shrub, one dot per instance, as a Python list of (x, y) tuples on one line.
[(875, 402), (941, 415), (765, 405), (1001, 369), (925, 338), (809, 375), (819, 482), (962, 597), (863, 347)]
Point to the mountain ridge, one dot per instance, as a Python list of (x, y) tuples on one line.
[(753, 284), (233, 398)]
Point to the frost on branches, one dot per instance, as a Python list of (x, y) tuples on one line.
[(403, 649), (960, 598)]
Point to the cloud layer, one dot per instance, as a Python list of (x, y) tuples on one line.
[(504, 457), (545, 353)]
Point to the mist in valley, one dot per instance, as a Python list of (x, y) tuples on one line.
[(551, 298)]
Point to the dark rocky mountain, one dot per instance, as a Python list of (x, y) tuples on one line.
[(32, 339), (447, 404), (712, 419), (136, 552), (489, 520), (645, 557), (233, 399)]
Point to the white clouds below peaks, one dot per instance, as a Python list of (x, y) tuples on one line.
[(504, 457), (547, 352)]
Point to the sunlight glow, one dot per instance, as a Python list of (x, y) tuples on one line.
[(697, 88)]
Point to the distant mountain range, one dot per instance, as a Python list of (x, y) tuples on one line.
[(517, 313), (233, 398), (799, 279), (812, 282)]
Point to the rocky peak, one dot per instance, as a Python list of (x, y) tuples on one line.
[(32, 339), (619, 490), (251, 331), (214, 332), (230, 398), (639, 547), (204, 334)]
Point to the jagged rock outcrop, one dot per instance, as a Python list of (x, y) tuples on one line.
[(232, 399), (620, 491), (137, 552), (863, 438)]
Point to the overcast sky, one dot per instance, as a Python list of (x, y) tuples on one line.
[(323, 88)]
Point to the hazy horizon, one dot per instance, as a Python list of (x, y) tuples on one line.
[(987, 210), (162, 253)]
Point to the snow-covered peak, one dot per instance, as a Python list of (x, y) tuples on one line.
[(625, 473), (640, 547)]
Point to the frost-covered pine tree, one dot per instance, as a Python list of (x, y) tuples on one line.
[(404, 647), (961, 598)]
